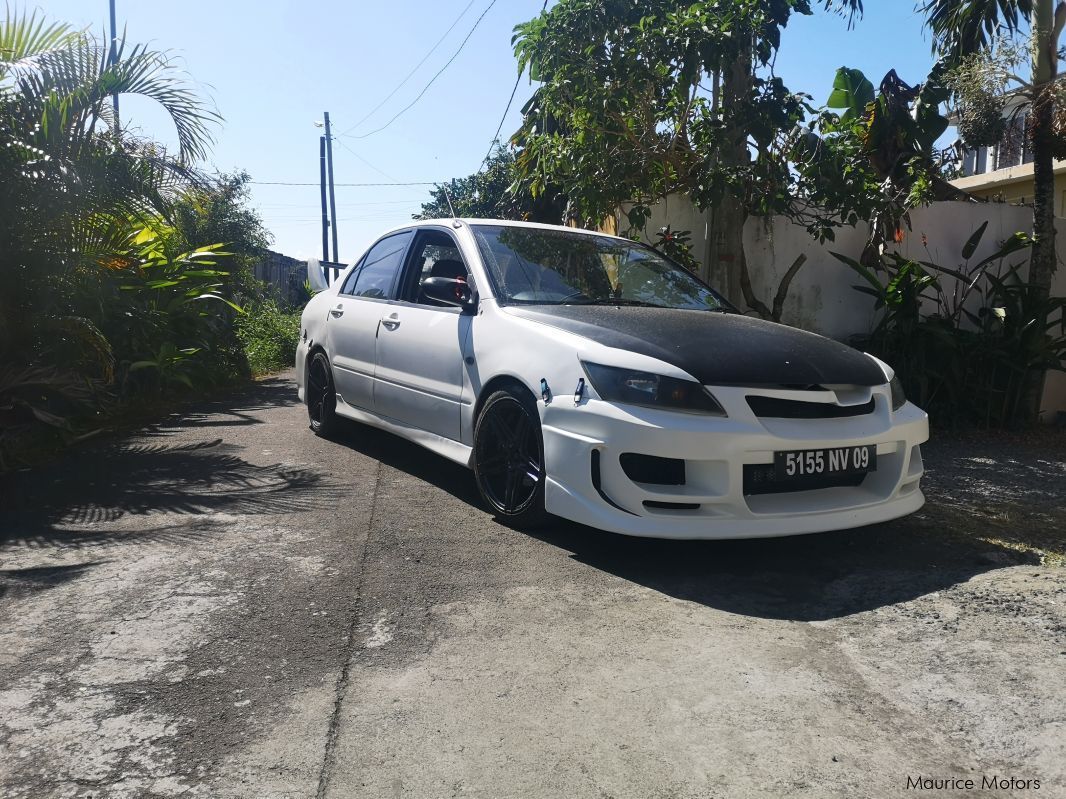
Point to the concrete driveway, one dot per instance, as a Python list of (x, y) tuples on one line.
[(226, 606)]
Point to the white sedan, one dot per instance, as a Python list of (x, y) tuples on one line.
[(587, 376)]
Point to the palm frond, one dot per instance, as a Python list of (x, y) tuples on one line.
[(155, 75), (66, 91), (23, 37), (962, 27)]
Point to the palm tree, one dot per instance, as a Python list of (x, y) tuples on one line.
[(71, 190), (964, 27), (66, 177), (55, 113)]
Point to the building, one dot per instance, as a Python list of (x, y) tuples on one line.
[(1003, 172)]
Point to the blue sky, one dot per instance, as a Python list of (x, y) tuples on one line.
[(273, 66)]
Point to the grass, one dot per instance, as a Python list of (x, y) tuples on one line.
[(269, 335)]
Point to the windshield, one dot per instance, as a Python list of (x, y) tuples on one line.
[(555, 267)]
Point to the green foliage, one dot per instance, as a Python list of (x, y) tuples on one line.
[(963, 338), (494, 192), (166, 312), (871, 156), (677, 246), (308, 291), (218, 211), (964, 27), (643, 100), (621, 114), (980, 83), (968, 35), (36, 403), (115, 286), (852, 91), (269, 336)]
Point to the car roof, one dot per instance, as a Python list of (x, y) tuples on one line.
[(447, 222)]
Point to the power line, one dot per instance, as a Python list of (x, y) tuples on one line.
[(506, 110), (401, 84), (440, 72), (293, 183), (499, 127), (353, 152), (308, 206)]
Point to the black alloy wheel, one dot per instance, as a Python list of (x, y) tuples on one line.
[(321, 396), (509, 458)]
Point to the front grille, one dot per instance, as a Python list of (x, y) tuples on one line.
[(653, 470), (761, 478), (777, 408)]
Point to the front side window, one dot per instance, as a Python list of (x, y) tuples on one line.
[(555, 267), (435, 254), (376, 276)]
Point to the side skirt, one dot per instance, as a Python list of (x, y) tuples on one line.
[(445, 447)]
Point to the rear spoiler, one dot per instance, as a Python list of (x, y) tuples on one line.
[(323, 274)]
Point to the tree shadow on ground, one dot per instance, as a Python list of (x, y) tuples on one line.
[(802, 578), (405, 456), (233, 410), (77, 502), (22, 581)]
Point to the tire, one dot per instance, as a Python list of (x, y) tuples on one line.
[(321, 396), (509, 458)]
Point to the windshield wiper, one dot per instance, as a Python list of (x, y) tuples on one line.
[(620, 301), (643, 304)]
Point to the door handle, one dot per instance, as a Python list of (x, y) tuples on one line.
[(390, 324), (337, 312)]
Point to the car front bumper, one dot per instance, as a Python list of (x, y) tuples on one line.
[(301, 369), (594, 489)]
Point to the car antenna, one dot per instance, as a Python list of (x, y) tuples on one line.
[(455, 219)]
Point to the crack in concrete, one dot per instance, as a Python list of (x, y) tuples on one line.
[(349, 649)]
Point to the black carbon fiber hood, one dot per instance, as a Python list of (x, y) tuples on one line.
[(715, 348)]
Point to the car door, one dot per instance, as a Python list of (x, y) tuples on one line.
[(421, 343), (352, 323)]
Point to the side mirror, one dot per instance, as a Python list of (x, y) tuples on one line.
[(450, 291)]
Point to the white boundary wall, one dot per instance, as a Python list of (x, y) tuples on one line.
[(821, 297)]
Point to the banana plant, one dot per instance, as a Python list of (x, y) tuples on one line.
[(169, 309), (963, 338), (170, 364)]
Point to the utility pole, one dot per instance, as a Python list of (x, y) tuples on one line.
[(111, 60), (332, 199), (325, 212)]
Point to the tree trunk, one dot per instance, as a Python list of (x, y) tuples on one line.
[(1042, 116), (727, 265), (1045, 61)]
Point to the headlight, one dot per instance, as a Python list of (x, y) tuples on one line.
[(898, 397), (655, 391)]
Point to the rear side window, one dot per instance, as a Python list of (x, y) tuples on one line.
[(349, 284), (376, 276)]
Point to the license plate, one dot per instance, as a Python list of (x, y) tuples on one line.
[(803, 463)]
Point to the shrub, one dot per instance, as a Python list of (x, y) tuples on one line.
[(269, 335), (964, 339)]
